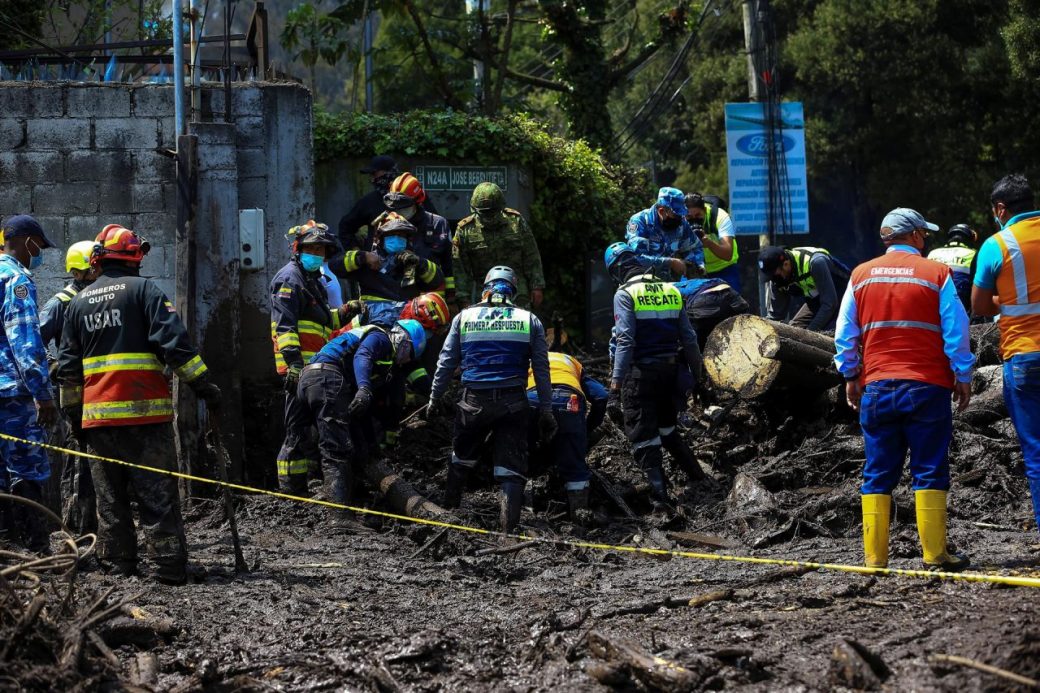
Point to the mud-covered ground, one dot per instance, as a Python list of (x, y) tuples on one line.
[(380, 609)]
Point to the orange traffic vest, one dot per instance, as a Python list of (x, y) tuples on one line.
[(1018, 286), (563, 370), (897, 309)]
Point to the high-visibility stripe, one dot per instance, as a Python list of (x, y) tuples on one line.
[(70, 395), (1018, 266), (897, 280), (109, 363), (657, 314), (292, 467), (429, 273), (135, 409), (576, 485), (902, 323), (653, 442), (449, 282), (191, 370), (417, 374), (372, 298), (287, 339), (1016, 310), (351, 260)]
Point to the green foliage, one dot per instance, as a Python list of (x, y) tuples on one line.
[(580, 202), (314, 36)]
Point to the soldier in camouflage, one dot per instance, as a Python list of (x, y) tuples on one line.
[(496, 235)]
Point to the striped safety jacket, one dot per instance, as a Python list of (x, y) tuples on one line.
[(302, 321)]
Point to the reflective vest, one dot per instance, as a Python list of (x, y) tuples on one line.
[(301, 319), (564, 371), (958, 257), (712, 262), (803, 278), (897, 309), (1018, 286), (340, 351), (495, 342), (657, 306)]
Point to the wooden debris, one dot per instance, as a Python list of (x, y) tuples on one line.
[(625, 660), (509, 548), (854, 666), (144, 671), (612, 493), (988, 668), (699, 539)]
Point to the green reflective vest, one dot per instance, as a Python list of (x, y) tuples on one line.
[(712, 262)]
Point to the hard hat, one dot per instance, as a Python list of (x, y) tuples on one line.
[(962, 231), (409, 185), (117, 242), (395, 201), (770, 259), (614, 252), (395, 225), (77, 257), (487, 197), (312, 233), (501, 273), (416, 333), (429, 309)]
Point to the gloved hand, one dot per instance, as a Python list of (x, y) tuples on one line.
[(74, 413), (351, 309), (432, 409), (361, 402), (292, 378), (547, 425), (614, 410), (699, 230), (208, 391)]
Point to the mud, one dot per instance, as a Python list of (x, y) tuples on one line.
[(396, 607)]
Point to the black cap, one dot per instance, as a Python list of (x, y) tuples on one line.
[(961, 231), (25, 225), (380, 163), (770, 259)]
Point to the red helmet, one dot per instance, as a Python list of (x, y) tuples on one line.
[(409, 185), (117, 242), (429, 309)]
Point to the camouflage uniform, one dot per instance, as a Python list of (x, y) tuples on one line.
[(495, 235)]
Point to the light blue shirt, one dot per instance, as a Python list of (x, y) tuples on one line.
[(953, 319), (990, 259)]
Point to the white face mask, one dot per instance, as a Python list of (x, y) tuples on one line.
[(408, 212)]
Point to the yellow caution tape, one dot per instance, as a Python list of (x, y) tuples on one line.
[(1013, 580)]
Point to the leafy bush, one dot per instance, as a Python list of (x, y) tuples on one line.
[(581, 202)]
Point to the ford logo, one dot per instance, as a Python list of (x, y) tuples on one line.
[(758, 145)]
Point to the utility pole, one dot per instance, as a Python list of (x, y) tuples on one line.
[(753, 46), (477, 7)]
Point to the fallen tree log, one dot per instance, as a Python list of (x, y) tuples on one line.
[(625, 661), (985, 344), (401, 496), (987, 398), (751, 356)]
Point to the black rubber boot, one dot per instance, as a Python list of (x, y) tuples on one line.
[(512, 502), (30, 524), (578, 503), (456, 481), (658, 489), (682, 455)]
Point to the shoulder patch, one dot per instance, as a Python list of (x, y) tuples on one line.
[(285, 292), (510, 210), (21, 291), (169, 306)]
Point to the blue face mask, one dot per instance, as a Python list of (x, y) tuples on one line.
[(311, 263), (997, 219), (35, 261), (395, 244)]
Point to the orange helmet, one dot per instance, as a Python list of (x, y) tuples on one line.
[(429, 309), (117, 242), (409, 185)]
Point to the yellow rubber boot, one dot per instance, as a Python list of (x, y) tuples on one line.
[(931, 526), (877, 510)]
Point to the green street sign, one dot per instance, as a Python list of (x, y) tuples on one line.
[(460, 178)]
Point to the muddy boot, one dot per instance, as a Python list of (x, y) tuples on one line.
[(931, 526), (456, 481), (512, 502), (659, 490), (30, 524), (171, 573), (683, 456), (578, 503)]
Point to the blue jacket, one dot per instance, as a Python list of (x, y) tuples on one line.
[(52, 317), (661, 327), (655, 246), (495, 345), (364, 355), (23, 357), (691, 287)]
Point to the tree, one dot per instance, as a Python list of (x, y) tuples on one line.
[(314, 36)]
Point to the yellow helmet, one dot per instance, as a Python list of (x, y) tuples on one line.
[(78, 256)]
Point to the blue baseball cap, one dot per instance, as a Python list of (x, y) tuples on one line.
[(24, 225), (673, 199), (902, 221)]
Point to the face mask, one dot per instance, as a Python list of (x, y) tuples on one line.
[(35, 261), (395, 244), (311, 263), (997, 219), (671, 223), (408, 212)]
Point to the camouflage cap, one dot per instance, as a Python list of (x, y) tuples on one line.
[(488, 197)]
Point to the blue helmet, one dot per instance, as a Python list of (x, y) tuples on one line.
[(416, 333), (615, 251)]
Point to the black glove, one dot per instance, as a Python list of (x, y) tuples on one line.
[(74, 414), (361, 402), (614, 410), (432, 409), (208, 391), (546, 425), (292, 378)]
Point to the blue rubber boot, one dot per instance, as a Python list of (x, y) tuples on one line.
[(1034, 490)]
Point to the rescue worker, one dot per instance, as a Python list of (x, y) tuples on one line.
[(494, 343), (650, 326), (119, 335), (78, 506), (433, 233), (390, 275), (26, 400), (333, 290), (496, 235), (302, 321), (959, 255), (903, 311), (579, 403), (812, 273), (713, 225), (382, 170), (337, 389), (1008, 283), (663, 240), (708, 302)]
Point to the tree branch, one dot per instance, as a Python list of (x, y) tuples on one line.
[(620, 73), (522, 77), (432, 57), (507, 43)]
